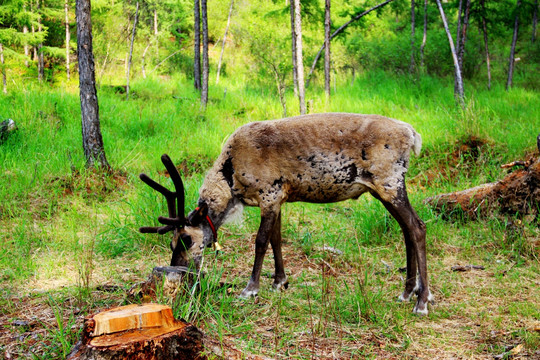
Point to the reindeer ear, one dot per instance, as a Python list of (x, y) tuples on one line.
[(198, 215)]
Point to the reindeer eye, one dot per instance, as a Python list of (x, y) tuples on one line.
[(186, 241)]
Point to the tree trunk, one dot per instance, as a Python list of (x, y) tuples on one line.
[(424, 36), (338, 31), (511, 60), (197, 45), (516, 193), (293, 49), (463, 38), (131, 48), (458, 91), (281, 89), (534, 21), (413, 27), (68, 35), (41, 58), (26, 47), (91, 132), (205, 61), (458, 25), (299, 57), (4, 77), (143, 69), (327, 23), (484, 30), (147, 331), (224, 42)]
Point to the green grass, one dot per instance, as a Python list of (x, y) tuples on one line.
[(65, 230)]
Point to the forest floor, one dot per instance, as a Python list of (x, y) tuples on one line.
[(70, 245)]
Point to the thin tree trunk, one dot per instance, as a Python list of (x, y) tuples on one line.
[(104, 62), (94, 150), (534, 21), (412, 66), (143, 70), (41, 59), (463, 36), (197, 45), (458, 91), (280, 88), (205, 61), (4, 76), (338, 31), (68, 35), (299, 60), (156, 33), (424, 36), (327, 23), (293, 49), (511, 60), (26, 47), (459, 19), (131, 48), (224, 42), (484, 30)]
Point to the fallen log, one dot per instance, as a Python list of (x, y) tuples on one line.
[(140, 332), (516, 193)]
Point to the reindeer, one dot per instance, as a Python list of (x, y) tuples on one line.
[(319, 158)]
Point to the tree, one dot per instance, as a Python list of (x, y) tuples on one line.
[(131, 48), (511, 60), (486, 47), (299, 61), (424, 36), (413, 27), (327, 24), (458, 90), (68, 35), (293, 49), (462, 37), (224, 41), (205, 61), (3, 68), (197, 45), (94, 150)]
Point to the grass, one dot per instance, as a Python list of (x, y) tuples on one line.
[(70, 246)]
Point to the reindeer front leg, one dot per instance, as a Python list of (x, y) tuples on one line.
[(269, 220)]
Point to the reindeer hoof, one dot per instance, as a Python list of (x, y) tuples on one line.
[(420, 309), (404, 298), (278, 285), (246, 293)]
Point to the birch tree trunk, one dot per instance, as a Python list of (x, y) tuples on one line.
[(94, 150), (143, 68), (293, 49), (68, 36), (424, 36), (484, 30), (224, 42), (412, 65), (299, 60), (458, 25), (4, 76), (511, 60), (131, 49), (463, 37), (327, 23), (26, 47), (41, 59), (205, 61), (197, 45), (458, 91)]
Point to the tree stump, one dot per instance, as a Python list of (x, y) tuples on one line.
[(517, 193), (140, 332), (166, 281)]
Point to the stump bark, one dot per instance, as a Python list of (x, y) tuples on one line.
[(517, 193), (143, 332)]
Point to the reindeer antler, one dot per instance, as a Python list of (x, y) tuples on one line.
[(175, 200)]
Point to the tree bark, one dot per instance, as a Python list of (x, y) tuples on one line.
[(197, 45), (516, 193), (41, 58), (458, 25), (4, 76), (68, 36), (143, 69), (293, 49), (458, 91), (94, 150), (131, 48), (205, 61), (299, 59), (26, 47), (327, 23), (463, 37), (424, 36), (338, 31), (224, 41), (412, 65), (486, 47), (511, 60), (534, 21)]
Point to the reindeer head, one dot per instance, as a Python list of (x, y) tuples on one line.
[(190, 235)]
